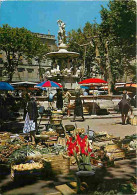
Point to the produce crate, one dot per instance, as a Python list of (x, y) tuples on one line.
[(134, 121), (58, 164), (116, 155), (114, 152), (130, 154), (55, 121), (26, 171), (62, 141), (112, 147)]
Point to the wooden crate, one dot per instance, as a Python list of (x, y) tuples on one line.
[(113, 147), (59, 164)]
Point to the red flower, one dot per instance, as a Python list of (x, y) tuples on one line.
[(92, 155), (71, 153), (89, 150), (78, 138), (77, 149), (70, 146), (70, 139), (85, 137), (82, 151), (67, 143), (86, 153), (82, 145)]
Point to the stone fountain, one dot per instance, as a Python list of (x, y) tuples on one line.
[(62, 66)]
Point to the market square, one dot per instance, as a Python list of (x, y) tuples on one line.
[(68, 108)]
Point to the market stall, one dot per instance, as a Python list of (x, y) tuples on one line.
[(54, 154)]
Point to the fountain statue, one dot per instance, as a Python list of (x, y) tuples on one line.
[(63, 56), (61, 32)]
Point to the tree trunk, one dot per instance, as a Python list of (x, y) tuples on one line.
[(109, 72), (10, 75), (40, 74)]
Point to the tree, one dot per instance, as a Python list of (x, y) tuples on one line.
[(118, 27), (81, 41), (114, 42), (16, 42), (39, 51)]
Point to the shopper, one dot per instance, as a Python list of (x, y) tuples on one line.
[(124, 107), (31, 119), (78, 110), (51, 100), (66, 98), (59, 103)]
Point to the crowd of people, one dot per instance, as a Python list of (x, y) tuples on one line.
[(62, 102), (62, 97)]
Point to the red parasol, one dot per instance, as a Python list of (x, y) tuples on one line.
[(48, 84), (92, 80)]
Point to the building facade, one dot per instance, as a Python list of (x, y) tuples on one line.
[(29, 70)]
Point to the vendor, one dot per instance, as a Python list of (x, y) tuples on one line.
[(124, 107)]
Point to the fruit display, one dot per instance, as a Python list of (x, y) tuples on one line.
[(6, 151), (27, 166)]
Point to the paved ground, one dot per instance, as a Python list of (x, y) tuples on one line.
[(111, 125), (123, 170)]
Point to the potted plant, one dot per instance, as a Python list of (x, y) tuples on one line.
[(79, 147)]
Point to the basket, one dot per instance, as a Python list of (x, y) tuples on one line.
[(79, 130), (18, 173), (55, 121), (58, 164), (69, 127)]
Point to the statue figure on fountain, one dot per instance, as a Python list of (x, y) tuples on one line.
[(61, 32)]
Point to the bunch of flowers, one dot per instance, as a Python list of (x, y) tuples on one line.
[(80, 149)]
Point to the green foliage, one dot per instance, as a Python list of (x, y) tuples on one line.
[(119, 28), (19, 155), (77, 41), (40, 50), (18, 43)]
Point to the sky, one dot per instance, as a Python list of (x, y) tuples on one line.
[(41, 16)]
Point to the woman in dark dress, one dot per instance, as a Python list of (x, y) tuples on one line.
[(78, 110), (124, 107), (59, 103)]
